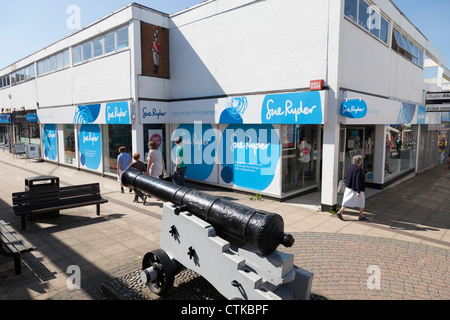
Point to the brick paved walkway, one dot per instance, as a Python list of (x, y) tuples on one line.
[(342, 265), (407, 238)]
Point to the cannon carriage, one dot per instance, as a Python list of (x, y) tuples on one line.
[(234, 247)]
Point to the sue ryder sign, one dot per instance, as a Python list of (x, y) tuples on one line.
[(283, 108), (359, 108)]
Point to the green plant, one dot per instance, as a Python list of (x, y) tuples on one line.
[(257, 197)]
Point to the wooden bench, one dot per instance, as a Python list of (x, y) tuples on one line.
[(12, 244), (35, 202)]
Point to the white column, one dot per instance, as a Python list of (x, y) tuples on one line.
[(330, 160), (379, 154), (330, 150)]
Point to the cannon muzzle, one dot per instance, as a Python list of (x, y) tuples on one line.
[(238, 224)]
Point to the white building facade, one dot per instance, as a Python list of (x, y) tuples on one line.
[(271, 97)]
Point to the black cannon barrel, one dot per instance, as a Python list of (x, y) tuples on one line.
[(234, 222)]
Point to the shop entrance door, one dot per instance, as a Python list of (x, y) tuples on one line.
[(354, 145), (358, 141)]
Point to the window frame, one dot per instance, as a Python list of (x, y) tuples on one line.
[(384, 21), (94, 42), (84, 46), (118, 48)]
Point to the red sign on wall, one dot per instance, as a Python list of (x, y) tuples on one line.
[(316, 85)]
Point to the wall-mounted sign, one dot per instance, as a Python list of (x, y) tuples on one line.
[(360, 108), (31, 117), (316, 85), (438, 108), (99, 113), (5, 118), (90, 144), (354, 109), (50, 139), (283, 108), (438, 96)]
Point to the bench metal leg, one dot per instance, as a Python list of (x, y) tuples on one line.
[(98, 209), (17, 265), (24, 223)]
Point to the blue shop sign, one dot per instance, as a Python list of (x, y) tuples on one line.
[(355, 109), (5, 118), (292, 108), (31, 117)]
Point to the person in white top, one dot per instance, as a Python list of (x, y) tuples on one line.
[(155, 164)]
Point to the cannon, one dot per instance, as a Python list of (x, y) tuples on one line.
[(232, 246)]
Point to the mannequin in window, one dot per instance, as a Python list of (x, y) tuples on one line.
[(304, 158)]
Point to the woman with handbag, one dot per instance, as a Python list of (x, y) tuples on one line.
[(354, 195)]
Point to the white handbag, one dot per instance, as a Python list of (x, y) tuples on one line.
[(341, 187)]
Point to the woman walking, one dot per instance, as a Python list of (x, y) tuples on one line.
[(354, 195), (155, 163)]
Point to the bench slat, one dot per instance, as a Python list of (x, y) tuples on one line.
[(54, 194), (56, 202), (68, 206), (12, 240)]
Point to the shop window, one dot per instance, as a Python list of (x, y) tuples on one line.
[(115, 136), (69, 144), (401, 142), (156, 133), (357, 141), (300, 156)]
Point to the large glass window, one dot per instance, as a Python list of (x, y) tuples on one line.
[(115, 136), (69, 144), (358, 141), (300, 156), (401, 142)]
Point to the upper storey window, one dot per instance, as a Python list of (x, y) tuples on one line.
[(407, 48), (368, 17)]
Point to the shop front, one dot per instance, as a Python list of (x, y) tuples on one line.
[(265, 144), (384, 132), (6, 131), (86, 137), (26, 128)]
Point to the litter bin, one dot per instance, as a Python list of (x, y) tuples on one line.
[(43, 183)]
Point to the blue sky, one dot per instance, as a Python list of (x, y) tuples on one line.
[(30, 25)]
